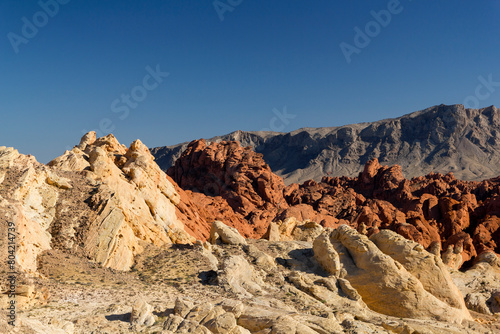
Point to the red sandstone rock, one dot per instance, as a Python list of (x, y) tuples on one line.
[(462, 242), (239, 176), (487, 235), (234, 185), (455, 216)]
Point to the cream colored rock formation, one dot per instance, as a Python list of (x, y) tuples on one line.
[(29, 200), (100, 197), (142, 314), (221, 233), (239, 276), (384, 283), (426, 267), (233, 317), (481, 284), (325, 254), (293, 229), (135, 200)]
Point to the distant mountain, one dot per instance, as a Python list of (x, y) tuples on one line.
[(438, 139)]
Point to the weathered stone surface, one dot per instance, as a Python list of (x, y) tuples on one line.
[(172, 323), (293, 229), (273, 233), (183, 307), (257, 319), (233, 306), (88, 139), (226, 234), (239, 176), (189, 326), (199, 312), (72, 160), (100, 197), (384, 284), (27, 204), (480, 284), (238, 275), (240, 330), (223, 324), (477, 303), (326, 255), (142, 314), (135, 200), (428, 268), (58, 181), (347, 288)]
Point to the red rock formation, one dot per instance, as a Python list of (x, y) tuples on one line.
[(227, 182), (192, 215), (487, 235), (241, 178)]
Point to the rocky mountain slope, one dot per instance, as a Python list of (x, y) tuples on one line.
[(100, 200), (106, 242), (438, 139)]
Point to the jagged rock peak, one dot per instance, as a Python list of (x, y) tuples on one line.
[(120, 201)]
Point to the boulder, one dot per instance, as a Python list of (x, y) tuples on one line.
[(183, 307), (326, 255), (384, 284), (239, 277), (428, 268), (142, 314), (220, 232), (223, 324), (172, 323)]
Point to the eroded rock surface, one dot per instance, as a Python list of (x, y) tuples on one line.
[(461, 217), (100, 198), (239, 176), (421, 289)]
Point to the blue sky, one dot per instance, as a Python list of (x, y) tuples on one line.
[(88, 65)]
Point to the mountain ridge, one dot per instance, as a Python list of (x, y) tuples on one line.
[(442, 138)]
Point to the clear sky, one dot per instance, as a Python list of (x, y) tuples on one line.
[(70, 66)]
